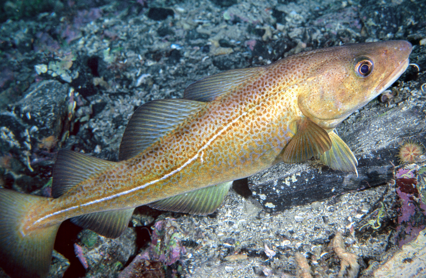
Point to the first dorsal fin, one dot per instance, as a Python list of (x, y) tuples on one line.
[(152, 121), (72, 168), (200, 202), (309, 141), (213, 87)]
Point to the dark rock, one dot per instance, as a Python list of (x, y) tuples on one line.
[(280, 47), (262, 49), (87, 91), (279, 16), (31, 133), (164, 31), (117, 121), (205, 48), (225, 43), (189, 243), (59, 265), (194, 35), (418, 57), (27, 183), (154, 55), (385, 21), (7, 179), (159, 13), (140, 267), (46, 107), (93, 63), (115, 253), (252, 29), (302, 184), (88, 68), (224, 3), (223, 63), (241, 187), (98, 107), (12, 128), (226, 62), (174, 56)]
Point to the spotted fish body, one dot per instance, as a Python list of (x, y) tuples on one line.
[(182, 155)]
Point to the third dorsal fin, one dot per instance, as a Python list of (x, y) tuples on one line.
[(72, 168)]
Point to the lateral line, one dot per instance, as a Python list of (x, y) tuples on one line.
[(149, 183)]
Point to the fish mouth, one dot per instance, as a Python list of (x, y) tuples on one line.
[(392, 77)]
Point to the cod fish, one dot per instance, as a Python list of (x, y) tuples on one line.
[(183, 154)]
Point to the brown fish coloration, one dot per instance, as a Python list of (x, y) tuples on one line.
[(183, 154)]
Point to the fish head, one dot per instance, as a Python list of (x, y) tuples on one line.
[(343, 79)]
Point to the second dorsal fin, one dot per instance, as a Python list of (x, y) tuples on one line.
[(213, 87), (154, 120)]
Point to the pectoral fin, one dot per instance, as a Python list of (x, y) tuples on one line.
[(309, 141), (200, 202), (339, 157)]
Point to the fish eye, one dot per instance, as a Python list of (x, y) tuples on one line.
[(364, 67)]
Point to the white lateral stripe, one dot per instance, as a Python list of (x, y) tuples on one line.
[(55, 213), (149, 183)]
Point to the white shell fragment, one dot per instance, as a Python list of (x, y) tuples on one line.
[(41, 68)]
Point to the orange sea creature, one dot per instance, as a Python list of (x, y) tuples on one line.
[(410, 152), (48, 143)]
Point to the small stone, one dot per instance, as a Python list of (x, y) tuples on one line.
[(229, 269), (298, 218), (41, 68), (224, 3), (222, 51)]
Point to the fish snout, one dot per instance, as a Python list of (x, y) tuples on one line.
[(402, 49), (406, 47)]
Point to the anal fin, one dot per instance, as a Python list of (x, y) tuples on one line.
[(107, 223), (200, 202), (339, 157), (309, 141)]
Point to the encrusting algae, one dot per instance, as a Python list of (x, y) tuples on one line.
[(183, 154)]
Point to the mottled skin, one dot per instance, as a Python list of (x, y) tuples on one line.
[(240, 133)]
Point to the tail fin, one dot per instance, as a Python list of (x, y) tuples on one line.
[(23, 255)]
